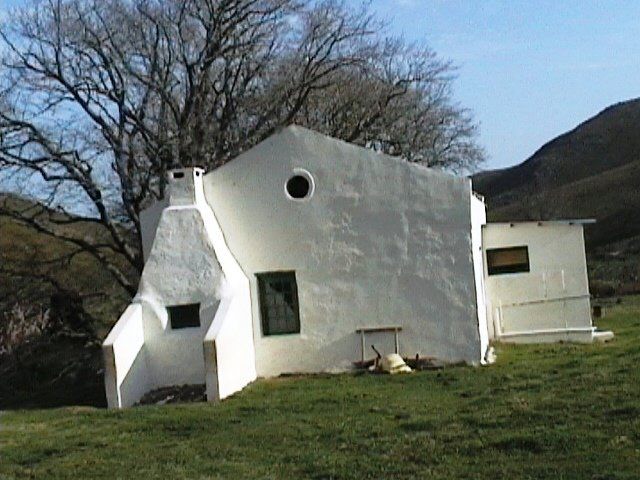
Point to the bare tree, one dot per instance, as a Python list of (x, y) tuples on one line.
[(101, 97)]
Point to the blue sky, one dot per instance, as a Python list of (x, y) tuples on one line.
[(529, 70)]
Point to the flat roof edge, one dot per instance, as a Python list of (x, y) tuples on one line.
[(577, 221)]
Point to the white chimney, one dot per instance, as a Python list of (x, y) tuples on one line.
[(185, 186)]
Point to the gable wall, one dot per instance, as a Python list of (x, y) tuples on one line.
[(381, 242)]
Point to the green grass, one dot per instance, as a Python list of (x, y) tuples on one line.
[(543, 411)]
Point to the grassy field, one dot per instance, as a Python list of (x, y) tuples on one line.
[(543, 411)]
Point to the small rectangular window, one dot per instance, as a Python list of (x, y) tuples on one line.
[(184, 316), (279, 303), (507, 260)]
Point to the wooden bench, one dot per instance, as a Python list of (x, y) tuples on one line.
[(389, 328)]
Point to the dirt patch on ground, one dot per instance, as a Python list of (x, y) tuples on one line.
[(178, 394)]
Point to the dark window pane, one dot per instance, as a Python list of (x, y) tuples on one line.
[(288, 298), (507, 260), (298, 186), (279, 303), (184, 316)]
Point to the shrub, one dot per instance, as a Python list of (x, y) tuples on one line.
[(20, 325)]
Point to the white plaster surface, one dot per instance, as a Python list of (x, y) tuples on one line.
[(229, 347), (478, 219), (549, 303), (380, 242), (189, 262), (125, 363), (182, 268), (149, 220)]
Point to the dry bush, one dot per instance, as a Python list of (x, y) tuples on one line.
[(20, 325)]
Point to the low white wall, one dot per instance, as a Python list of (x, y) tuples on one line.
[(228, 348), (126, 373), (549, 302)]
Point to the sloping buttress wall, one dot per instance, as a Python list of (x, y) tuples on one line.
[(188, 263)]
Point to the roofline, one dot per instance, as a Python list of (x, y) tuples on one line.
[(385, 156), (577, 221)]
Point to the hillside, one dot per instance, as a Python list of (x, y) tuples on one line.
[(593, 171), (41, 364), (41, 257)]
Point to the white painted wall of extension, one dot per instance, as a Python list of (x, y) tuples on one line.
[(380, 242), (550, 302)]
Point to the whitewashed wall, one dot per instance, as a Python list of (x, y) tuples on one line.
[(149, 219), (126, 372), (182, 268), (549, 303), (478, 219), (380, 242), (188, 262), (229, 350)]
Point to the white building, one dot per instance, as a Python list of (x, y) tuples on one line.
[(536, 285), (303, 251)]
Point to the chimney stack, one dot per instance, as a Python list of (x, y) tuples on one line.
[(185, 186)]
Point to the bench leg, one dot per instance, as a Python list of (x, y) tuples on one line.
[(395, 337)]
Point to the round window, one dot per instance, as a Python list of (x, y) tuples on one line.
[(299, 187)]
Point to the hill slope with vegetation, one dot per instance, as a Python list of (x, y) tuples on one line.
[(34, 265), (55, 305), (593, 171)]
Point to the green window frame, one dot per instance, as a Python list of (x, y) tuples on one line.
[(279, 307)]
